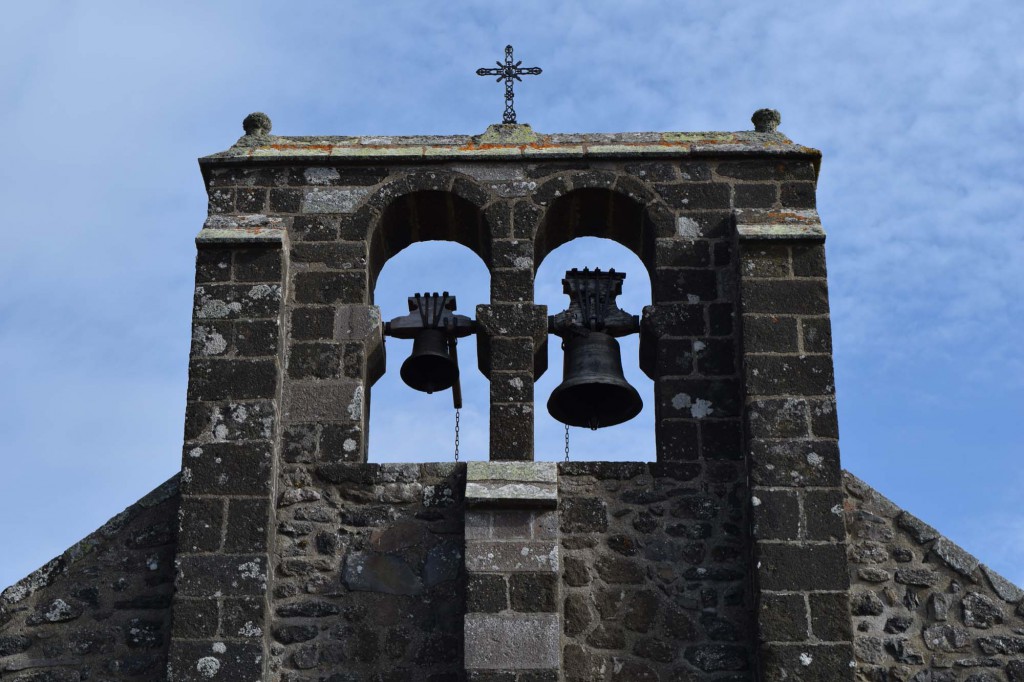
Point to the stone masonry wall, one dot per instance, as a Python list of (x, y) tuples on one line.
[(101, 610), (369, 583), (655, 572), (924, 610)]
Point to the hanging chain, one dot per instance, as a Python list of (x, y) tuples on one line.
[(566, 442), (456, 435)]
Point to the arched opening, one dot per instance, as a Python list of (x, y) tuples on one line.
[(635, 439), (593, 226), (593, 212), (406, 258), (425, 216)]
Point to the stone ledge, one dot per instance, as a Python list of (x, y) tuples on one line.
[(247, 235), (779, 224), (512, 484)]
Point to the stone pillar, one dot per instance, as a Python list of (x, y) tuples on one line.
[(792, 442), (228, 464), (512, 346), (513, 626)]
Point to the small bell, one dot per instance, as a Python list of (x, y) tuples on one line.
[(435, 329), (430, 367), (593, 392)]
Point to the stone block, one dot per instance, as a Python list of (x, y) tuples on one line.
[(767, 261), (789, 375), (330, 287), (682, 253), (512, 642), (312, 324), (797, 195), (256, 338), (823, 515), (257, 265), (533, 592), (486, 593), (776, 514), (203, 575), (799, 567), (782, 618), (511, 432), (785, 297), (234, 301), (511, 524), (323, 401), (830, 616), (334, 199), (778, 418), (583, 515), (795, 463), (201, 661), (243, 617), (685, 284), (247, 528), (755, 195), (695, 196), (201, 521), (511, 556), (214, 379), (721, 439), (807, 662), (226, 469), (314, 229), (770, 334), (195, 618), (678, 440)]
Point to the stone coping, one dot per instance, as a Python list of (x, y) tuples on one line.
[(503, 142), (512, 484)]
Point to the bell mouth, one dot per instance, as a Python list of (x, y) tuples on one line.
[(430, 368), (594, 405)]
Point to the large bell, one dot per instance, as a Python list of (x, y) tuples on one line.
[(430, 367), (593, 392)]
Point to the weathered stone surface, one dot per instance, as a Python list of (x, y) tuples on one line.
[(516, 642), (955, 557), (511, 556), (932, 599)]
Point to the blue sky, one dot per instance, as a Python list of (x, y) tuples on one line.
[(917, 106)]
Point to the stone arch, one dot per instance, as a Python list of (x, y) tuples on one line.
[(632, 440), (598, 204), (407, 425), (425, 207)]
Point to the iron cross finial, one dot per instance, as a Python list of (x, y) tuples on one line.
[(509, 72)]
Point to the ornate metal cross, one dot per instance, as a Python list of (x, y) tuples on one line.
[(509, 72)]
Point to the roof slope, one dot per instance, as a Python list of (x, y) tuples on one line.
[(924, 609), (102, 609)]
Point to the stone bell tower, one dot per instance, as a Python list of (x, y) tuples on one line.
[(722, 558)]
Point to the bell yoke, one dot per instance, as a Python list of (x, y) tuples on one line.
[(593, 393)]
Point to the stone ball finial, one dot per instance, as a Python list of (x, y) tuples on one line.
[(256, 123), (766, 120)]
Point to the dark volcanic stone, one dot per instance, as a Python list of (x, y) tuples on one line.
[(289, 634), (533, 592), (371, 572), (14, 644), (866, 604), (980, 611), (313, 608), (717, 657), (583, 515)]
